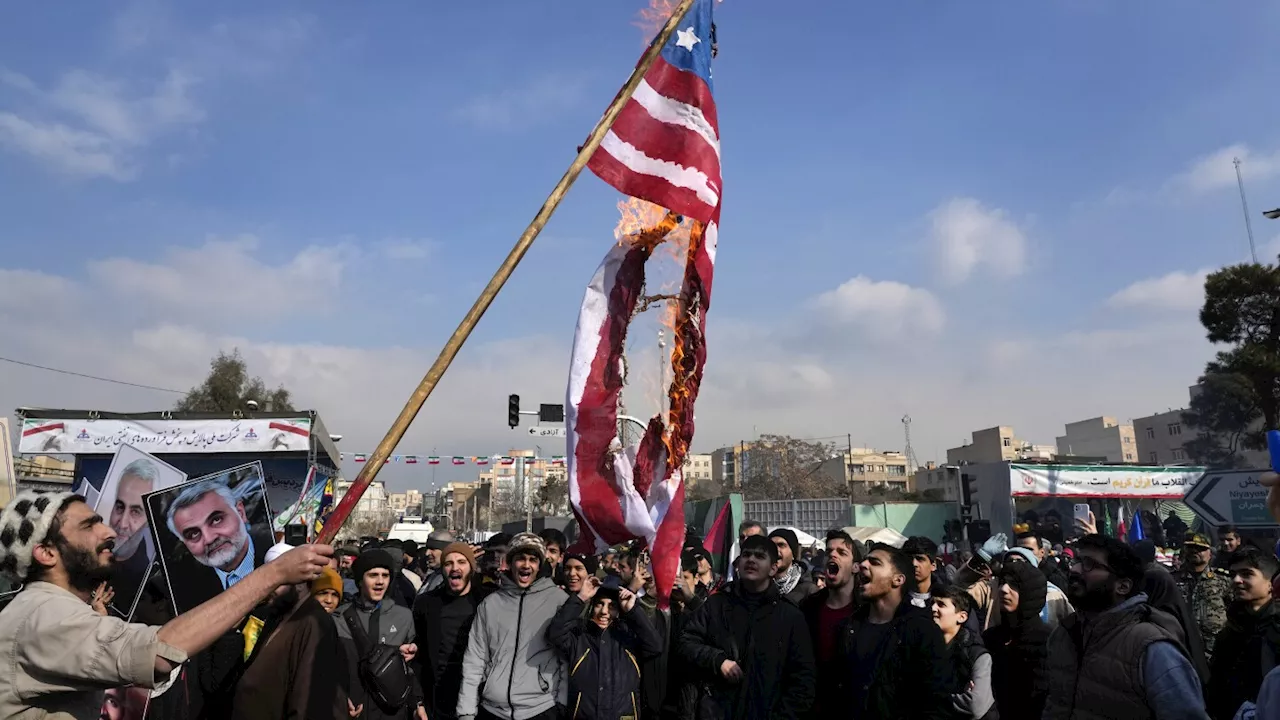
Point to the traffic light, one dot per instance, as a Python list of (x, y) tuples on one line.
[(966, 488), (551, 413), (513, 411)]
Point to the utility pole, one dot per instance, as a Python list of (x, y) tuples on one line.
[(522, 483), (1244, 203)]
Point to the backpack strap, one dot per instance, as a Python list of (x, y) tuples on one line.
[(358, 633)]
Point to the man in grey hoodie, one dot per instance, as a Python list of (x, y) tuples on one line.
[(508, 651)]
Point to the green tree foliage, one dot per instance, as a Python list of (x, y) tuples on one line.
[(778, 467), (1224, 415), (1242, 383), (228, 387)]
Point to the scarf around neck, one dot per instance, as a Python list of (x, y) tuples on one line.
[(789, 579)]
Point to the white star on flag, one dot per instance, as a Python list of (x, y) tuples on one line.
[(688, 38)]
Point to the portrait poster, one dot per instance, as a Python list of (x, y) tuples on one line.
[(125, 703), (211, 532), (133, 475)]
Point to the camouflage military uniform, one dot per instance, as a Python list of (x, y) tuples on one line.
[(1205, 594)]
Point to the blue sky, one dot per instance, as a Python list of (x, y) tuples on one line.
[(978, 213)]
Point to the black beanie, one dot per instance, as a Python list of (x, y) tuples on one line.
[(369, 560), (789, 537), (588, 561), (755, 542)]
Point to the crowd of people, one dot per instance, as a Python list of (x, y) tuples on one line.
[(523, 628)]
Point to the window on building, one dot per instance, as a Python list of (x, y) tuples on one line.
[(1128, 440), (1128, 457), (1153, 458), (1175, 428), (1179, 454), (1151, 433), (1008, 442), (857, 469)]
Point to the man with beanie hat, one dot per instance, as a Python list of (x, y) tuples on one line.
[(1018, 644), (444, 616), (793, 582), (748, 647), (57, 653), (291, 672), (384, 622), (507, 650), (577, 568), (1056, 605)]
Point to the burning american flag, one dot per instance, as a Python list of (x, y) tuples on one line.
[(664, 148)]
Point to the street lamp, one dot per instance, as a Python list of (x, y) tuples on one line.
[(1272, 214)]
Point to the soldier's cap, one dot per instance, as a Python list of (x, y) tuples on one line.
[(1197, 540)]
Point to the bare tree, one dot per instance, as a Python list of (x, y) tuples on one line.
[(779, 467)]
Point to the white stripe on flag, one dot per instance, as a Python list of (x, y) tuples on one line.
[(636, 161), (674, 112), (711, 238)]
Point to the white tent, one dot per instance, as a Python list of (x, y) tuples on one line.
[(886, 536)]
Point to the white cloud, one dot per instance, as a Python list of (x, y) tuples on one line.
[(142, 321), (406, 249), (966, 236), (1178, 291), (540, 100), (226, 274), (1216, 170), (91, 126), (886, 310)]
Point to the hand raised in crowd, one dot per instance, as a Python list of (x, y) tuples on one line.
[(626, 599), (421, 714), (1088, 527), (409, 651), (730, 670), (302, 564), (589, 588), (354, 710), (102, 597), (1272, 481)]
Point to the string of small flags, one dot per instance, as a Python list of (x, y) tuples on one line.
[(480, 460)]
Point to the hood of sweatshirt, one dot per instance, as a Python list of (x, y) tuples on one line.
[(1032, 590)]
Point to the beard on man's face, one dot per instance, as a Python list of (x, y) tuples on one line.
[(223, 552), (85, 568)]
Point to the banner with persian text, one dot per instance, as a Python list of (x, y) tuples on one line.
[(157, 437), (1102, 481)]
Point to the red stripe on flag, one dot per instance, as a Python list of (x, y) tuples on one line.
[(648, 187), (43, 428), (289, 428), (670, 143), (666, 549), (685, 87), (715, 543)]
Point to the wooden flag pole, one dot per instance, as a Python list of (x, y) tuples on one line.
[(472, 318)]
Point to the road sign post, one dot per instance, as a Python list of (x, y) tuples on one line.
[(546, 432), (1230, 497)]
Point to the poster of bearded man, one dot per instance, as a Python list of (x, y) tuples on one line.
[(211, 532), (133, 474)]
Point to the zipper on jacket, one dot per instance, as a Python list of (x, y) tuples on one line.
[(511, 678)]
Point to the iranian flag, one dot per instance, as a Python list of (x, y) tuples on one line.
[(557, 460), (360, 458), (410, 459), (459, 461), (481, 460), (508, 461), (433, 460)]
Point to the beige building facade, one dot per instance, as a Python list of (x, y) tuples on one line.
[(1100, 437)]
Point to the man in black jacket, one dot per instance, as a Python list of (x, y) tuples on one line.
[(443, 618), (894, 655), (1249, 646), (749, 647), (1018, 645), (825, 612)]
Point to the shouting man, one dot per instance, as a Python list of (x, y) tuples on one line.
[(508, 651), (57, 654), (826, 611), (445, 615)]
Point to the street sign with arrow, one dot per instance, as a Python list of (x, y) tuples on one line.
[(1230, 497)]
